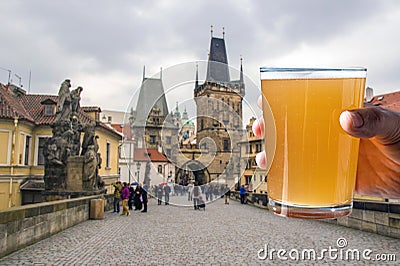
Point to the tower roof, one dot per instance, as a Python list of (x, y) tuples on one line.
[(151, 95), (217, 69)]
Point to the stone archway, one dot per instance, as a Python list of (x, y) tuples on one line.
[(195, 171)]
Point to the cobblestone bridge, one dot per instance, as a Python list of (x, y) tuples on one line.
[(222, 234)]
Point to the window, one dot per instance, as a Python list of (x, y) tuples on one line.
[(261, 178), (168, 140), (168, 152), (48, 109), (201, 124), (109, 119), (160, 168), (226, 145), (152, 139), (40, 156), (108, 155), (27, 151), (250, 148)]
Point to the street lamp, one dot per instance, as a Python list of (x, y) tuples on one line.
[(138, 170)]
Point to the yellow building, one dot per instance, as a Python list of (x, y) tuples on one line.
[(25, 125), (254, 178)]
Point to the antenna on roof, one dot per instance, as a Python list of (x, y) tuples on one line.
[(29, 83), (144, 71), (212, 31), (160, 73), (19, 78), (9, 73), (223, 32)]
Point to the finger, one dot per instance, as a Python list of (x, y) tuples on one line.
[(258, 127), (372, 122), (261, 160), (259, 101)]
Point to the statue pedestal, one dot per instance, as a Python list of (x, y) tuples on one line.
[(73, 180)]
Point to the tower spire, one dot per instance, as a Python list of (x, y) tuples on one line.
[(196, 85), (241, 69), (144, 72)]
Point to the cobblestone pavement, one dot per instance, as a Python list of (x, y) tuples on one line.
[(222, 235)]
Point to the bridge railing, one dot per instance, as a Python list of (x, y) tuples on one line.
[(373, 216)]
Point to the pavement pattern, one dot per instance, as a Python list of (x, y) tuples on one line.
[(233, 234)]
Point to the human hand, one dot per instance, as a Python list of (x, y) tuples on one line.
[(378, 172)]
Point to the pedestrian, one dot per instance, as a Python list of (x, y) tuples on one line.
[(144, 198), (196, 194), (190, 192), (167, 191), (136, 198), (227, 194), (131, 196), (242, 192), (117, 196), (201, 203), (125, 197), (159, 194)]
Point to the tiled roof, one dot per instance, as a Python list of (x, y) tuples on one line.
[(142, 154), (125, 130), (11, 106), (30, 107), (389, 101), (33, 103)]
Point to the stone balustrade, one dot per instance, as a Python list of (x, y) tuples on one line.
[(27, 224)]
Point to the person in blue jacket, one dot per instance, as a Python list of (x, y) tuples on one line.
[(242, 192)]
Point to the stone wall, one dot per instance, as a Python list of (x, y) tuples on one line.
[(377, 217), (25, 225)]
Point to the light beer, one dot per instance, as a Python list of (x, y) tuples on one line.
[(313, 170)]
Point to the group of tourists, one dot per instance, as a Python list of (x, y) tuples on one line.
[(136, 198), (130, 197)]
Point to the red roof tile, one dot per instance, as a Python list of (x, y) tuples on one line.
[(142, 154), (31, 108)]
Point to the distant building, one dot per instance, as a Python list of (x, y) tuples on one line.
[(25, 121), (253, 177), (219, 113)]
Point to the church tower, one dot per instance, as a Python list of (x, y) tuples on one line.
[(219, 112)]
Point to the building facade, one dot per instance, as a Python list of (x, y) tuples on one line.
[(25, 126)]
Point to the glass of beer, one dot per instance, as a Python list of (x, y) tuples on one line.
[(312, 161)]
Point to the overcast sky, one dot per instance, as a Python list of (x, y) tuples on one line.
[(103, 45)]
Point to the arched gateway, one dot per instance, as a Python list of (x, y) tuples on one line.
[(192, 171)]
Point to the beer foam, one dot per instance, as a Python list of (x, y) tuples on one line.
[(311, 73)]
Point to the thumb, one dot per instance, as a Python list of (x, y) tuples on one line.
[(372, 122)]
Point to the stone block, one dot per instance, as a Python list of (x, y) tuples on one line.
[(28, 222), (60, 207), (377, 206), (46, 209), (382, 218), (26, 236), (394, 208), (368, 226), (368, 216), (394, 232), (354, 223), (13, 227), (30, 212), (343, 221), (74, 173), (382, 229), (356, 213), (394, 222)]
